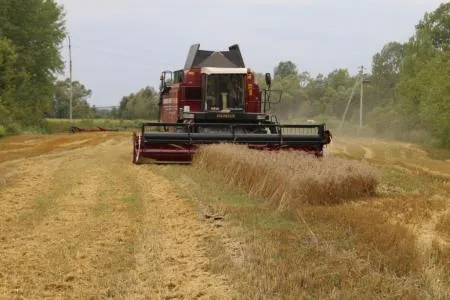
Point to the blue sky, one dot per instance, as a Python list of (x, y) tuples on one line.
[(120, 46)]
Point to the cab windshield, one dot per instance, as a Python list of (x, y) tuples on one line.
[(224, 91)]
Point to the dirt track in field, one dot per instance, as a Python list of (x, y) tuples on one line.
[(404, 155), (412, 160), (83, 222)]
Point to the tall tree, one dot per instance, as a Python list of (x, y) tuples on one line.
[(8, 58), (140, 105), (386, 71), (285, 69), (434, 108), (80, 96), (424, 83), (35, 28), (437, 24)]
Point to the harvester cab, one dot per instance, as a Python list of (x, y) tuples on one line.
[(215, 98)]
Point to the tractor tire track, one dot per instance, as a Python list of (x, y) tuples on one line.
[(173, 240), (87, 224)]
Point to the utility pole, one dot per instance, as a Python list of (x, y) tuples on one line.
[(70, 76), (348, 105), (361, 98), (361, 82)]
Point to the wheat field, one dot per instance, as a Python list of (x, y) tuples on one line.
[(289, 179)]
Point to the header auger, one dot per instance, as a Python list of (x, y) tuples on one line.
[(215, 99)]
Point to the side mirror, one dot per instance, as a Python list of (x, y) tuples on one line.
[(268, 80), (165, 81)]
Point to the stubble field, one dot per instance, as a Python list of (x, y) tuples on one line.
[(79, 221)]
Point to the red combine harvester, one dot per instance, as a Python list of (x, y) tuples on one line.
[(215, 99)]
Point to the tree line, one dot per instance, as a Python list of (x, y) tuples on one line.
[(31, 37), (408, 89)]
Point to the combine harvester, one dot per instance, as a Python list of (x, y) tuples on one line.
[(215, 99)]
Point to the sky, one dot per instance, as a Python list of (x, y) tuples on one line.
[(121, 46)]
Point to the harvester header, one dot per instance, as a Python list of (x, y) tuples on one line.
[(216, 99)]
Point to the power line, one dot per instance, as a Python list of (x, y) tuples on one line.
[(127, 55), (83, 41), (348, 104)]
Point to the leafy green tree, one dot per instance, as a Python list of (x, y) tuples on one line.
[(10, 78), (304, 79), (114, 113), (434, 108), (437, 25), (285, 69), (412, 80), (8, 59), (338, 78), (80, 96), (34, 29), (386, 71), (423, 87), (140, 105)]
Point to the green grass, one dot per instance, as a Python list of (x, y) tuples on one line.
[(49, 126), (64, 125)]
